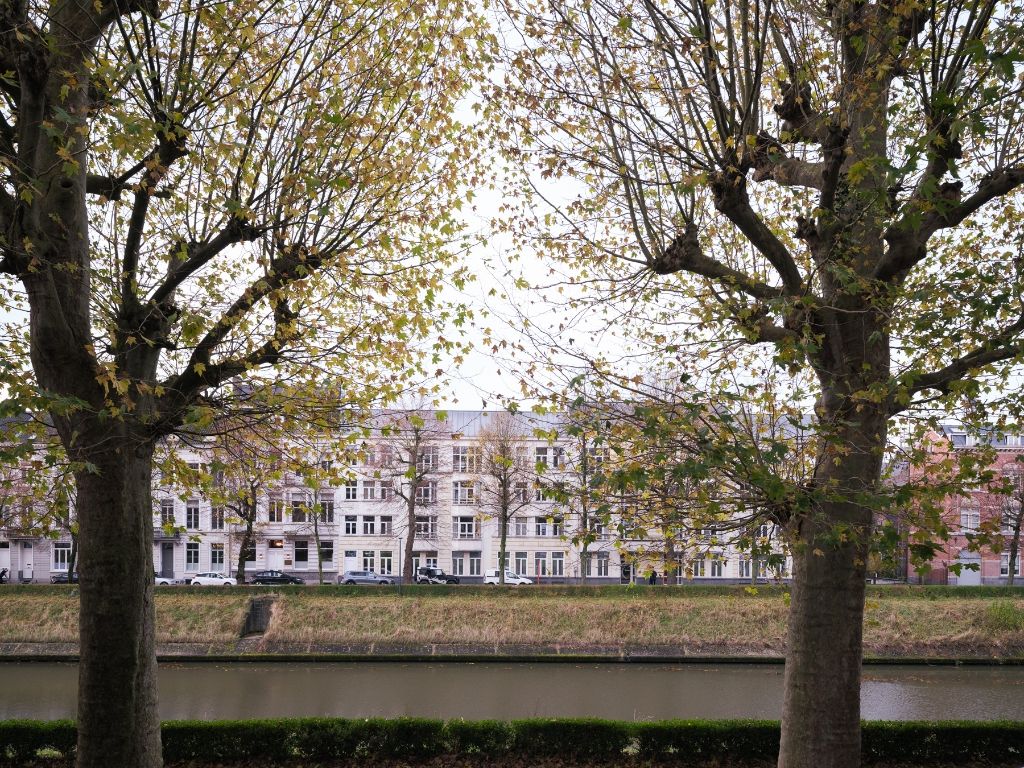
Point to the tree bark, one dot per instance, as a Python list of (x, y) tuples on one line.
[(246, 543), (503, 549), (1014, 548), (118, 720), (408, 576), (821, 705)]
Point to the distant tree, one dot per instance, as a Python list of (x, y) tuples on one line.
[(408, 462), (507, 475)]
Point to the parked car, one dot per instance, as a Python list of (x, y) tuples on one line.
[(511, 578), (64, 578), (426, 574), (166, 581), (275, 577), (364, 577), (212, 579)]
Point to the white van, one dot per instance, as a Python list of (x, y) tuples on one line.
[(512, 579)]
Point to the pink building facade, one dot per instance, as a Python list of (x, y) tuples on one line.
[(977, 509)]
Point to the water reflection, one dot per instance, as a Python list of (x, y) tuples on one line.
[(506, 691)]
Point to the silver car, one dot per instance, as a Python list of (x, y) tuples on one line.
[(364, 577)]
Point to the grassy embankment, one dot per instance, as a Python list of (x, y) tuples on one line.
[(899, 622)]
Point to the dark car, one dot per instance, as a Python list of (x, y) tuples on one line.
[(64, 578), (428, 575), (275, 577)]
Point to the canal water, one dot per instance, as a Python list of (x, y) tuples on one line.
[(495, 690)]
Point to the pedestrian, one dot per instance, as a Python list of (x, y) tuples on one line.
[(653, 578)]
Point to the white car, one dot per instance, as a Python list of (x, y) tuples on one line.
[(166, 581), (511, 578), (212, 580)]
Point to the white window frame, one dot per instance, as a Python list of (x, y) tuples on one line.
[(217, 558), (61, 561), (192, 564)]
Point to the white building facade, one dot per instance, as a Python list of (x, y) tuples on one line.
[(361, 521)]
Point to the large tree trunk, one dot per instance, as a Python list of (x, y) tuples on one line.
[(118, 720), (821, 705)]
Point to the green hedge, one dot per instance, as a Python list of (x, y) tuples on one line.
[(679, 741)]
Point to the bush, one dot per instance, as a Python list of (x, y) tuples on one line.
[(967, 743), (20, 740), (700, 740), (594, 741)]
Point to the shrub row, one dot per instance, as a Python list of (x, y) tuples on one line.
[(681, 741)]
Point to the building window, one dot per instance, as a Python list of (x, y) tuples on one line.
[(466, 528), (466, 458), (430, 558), (385, 563), (602, 559), (326, 551), (557, 563), (463, 492), (426, 526), (474, 563), (540, 562), (540, 526), (276, 512), (598, 456), (520, 559), (368, 563), (192, 556), (351, 490), (541, 457), (762, 531), (298, 511), (558, 457), (369, 490), (1004, 565), (369, 525), (327, 511), (301, 553), (426, 493), (556, 527), (520, 526), (217, 518), (426, 461), (542, 493), (717, 568), (520, 493), (744, 568), (958, 440), (458, 564), (350, 525), (386, 525), (970, 519), (217, 558), (192, 515), (60, 556), (697, 569), (167, 512)]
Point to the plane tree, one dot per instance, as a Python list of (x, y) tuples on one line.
[(193, 193), (829, 192)]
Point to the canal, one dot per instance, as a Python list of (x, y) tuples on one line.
[(46, 690)]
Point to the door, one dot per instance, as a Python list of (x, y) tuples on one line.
[(969, 578), (5, 558), (167, 560), (26, 561), (275, 554), (350, 560)]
